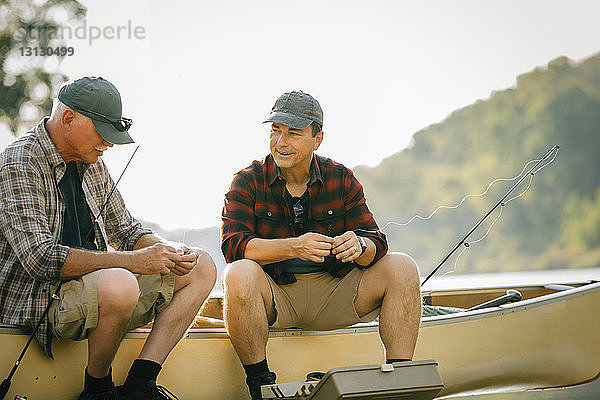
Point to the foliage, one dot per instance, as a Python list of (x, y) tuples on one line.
[(554, 225), (27, 83)]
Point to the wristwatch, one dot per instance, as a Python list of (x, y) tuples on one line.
[(363, 245)]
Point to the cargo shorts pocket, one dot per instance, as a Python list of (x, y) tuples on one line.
[(66, 320), (75, 313), (68, 323)]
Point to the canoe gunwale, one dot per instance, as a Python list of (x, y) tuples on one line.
[(511, 307), (221, 333), (7, 329), (509, 285), (540, 301)]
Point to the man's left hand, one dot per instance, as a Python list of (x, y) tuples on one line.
[(346, 247), (189, 260)]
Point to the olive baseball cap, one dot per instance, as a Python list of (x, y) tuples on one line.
[(98, 99), (296, 110)]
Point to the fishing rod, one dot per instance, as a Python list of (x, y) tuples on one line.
[(500, 202), (5, 386)]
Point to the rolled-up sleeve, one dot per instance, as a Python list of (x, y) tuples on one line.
[(122, 229), (25, 224), (238, 219), (360, 219)]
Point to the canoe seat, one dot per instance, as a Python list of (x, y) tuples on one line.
[(207, 322)]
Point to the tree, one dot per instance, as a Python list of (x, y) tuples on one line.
[(27, 83), (555, 225)]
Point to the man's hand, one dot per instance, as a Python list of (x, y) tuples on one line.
[(346, 247), (190, 257), (159, 259), (313, 247)]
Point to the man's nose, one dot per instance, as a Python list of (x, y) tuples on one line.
[(281, 140), (108, 144)]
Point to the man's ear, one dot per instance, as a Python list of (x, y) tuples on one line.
[(318, 140), (68, 116)]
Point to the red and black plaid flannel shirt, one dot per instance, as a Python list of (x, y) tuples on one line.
[(256, 207)]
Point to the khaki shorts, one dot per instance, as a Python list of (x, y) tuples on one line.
[(318, 301), (75, 315)]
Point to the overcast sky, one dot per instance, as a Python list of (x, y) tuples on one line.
[(201, 77)]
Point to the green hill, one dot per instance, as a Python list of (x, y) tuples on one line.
[(556, 224)]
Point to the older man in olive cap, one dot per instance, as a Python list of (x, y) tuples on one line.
[(53, 185), (305, 250)]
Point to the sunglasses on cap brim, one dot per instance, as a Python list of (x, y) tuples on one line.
[(122, 124)]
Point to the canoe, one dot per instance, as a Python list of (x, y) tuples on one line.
[(547, 340)]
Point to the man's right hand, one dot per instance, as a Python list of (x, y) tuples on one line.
[(159, 258), (312, 247)]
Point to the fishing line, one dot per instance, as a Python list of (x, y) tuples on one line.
[(417, 216), (469, 244), (502, 203)]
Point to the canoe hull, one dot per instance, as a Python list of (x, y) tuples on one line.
[(549, 341)]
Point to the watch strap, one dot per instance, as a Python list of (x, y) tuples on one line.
[(363, 245)]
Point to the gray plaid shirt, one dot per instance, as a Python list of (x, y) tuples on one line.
[(31, 220)]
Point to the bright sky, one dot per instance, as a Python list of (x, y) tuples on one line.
[(205, 75)]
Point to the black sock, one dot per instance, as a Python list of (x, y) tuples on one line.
[(393, 360), (260, 368), (95, 385), (142, 371)]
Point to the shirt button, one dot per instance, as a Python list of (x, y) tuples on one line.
[(330, 212), (269, 213)]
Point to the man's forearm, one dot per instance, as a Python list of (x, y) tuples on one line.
[(80, 262), (148, 240), (266, 251)]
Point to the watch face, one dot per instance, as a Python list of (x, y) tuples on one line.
[(363, 245)]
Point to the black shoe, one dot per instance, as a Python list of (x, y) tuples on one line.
[(151, 391), (256, 382), (111, 394)]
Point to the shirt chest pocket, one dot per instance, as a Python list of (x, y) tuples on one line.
[(330, 221), (270, 220)]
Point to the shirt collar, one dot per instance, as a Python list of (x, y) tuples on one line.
[(54, 157), (48, 145), (315, 171), (274, 173)]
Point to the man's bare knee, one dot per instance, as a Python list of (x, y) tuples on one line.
[(241, 279), (401, 269), (205, 272), (118, 291)]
